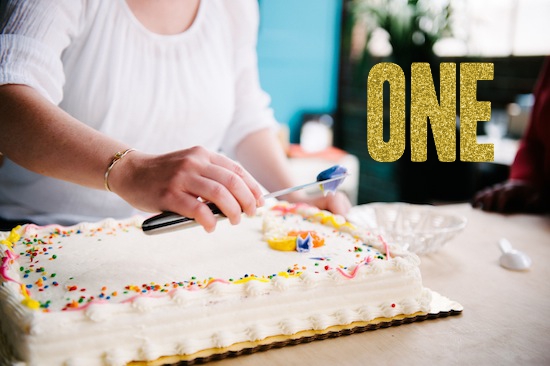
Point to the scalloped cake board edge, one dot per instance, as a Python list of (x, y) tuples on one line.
[(440, 307)]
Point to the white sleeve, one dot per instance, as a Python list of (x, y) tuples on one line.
[(33, 35), (252, 104)]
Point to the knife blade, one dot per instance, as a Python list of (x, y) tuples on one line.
[(168, 221)]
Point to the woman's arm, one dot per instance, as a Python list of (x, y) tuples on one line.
[(41, 137)]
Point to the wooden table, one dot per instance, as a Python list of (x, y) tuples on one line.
[(506, 317)]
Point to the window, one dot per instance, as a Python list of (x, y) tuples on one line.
[(498, 28)]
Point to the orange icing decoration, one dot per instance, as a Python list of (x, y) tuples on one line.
[(317, 240)]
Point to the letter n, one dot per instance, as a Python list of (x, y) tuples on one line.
[(442, 115)]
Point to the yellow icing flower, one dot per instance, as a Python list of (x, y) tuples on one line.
[(289, 275), (320, 216), (285, 243), (31, 303), (6, 243), (12, 238), (348, 225), (14, 234), (252, 278), (28, 301)]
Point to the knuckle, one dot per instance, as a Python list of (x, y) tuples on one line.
[(239, 170), (198, 209), (233, 182), (199, 150), (189, 163), (218, 192), (171, 189)]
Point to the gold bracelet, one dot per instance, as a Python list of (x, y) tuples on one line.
[(118, 156)]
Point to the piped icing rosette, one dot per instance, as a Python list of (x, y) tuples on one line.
[(332, 172)]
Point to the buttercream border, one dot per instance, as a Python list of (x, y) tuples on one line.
[(440, 307)]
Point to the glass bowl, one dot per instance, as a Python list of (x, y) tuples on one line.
[(421, 229)]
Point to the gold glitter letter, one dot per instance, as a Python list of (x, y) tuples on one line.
[(472, 111), (393, 149), (442, 117)]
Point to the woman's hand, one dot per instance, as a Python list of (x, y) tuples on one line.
[(337, 203), (510, 196), (175, 181), (262, 154)]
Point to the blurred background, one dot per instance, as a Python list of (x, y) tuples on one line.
[(315, 55)]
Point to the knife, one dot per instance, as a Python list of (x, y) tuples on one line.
[(168, 221)]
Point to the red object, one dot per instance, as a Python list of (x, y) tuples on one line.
[(532, 161)]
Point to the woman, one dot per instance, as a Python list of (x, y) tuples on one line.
[(83, 82)]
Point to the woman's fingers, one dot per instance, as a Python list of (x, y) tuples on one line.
[(222, 181), (189, 206), (246, 177), (337, 203), (215, 192), (175, 182), (227, 188)]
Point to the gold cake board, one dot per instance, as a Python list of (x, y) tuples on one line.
[(440, 307)]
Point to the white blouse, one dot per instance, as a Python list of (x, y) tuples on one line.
[(157, 93)]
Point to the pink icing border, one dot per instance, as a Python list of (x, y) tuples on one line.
[(354, 271), (386, 246), (9, 257)]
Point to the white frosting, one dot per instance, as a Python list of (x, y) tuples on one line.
[(185, 291)]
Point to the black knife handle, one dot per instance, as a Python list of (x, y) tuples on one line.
[(168, 219)]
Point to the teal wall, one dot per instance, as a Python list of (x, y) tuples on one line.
[(298, 53)]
